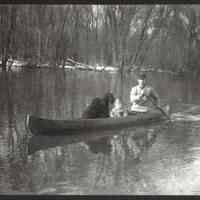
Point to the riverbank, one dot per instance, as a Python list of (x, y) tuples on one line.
[(69, 64)]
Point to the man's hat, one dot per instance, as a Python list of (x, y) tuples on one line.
[(142, 76)]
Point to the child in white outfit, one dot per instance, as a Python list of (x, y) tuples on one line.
[(117, 110)]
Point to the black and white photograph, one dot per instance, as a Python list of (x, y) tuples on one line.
[(100, 99)]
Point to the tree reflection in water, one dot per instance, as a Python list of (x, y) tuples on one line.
[(127, 143), (104, 161), (119, 152)]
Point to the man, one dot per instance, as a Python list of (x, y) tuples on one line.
[(142, 96)]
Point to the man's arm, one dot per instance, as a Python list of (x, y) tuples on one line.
[(154, 95)]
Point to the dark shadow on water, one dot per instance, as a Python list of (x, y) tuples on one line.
[(41, 142), (102, 145), (98, 142)]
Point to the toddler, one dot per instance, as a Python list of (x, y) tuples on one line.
[(117, 110)]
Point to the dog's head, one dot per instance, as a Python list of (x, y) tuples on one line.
[(109, 98)]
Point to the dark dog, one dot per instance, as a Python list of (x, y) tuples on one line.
[(99, 107)]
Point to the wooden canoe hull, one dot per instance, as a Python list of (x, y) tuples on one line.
[(41, 126)]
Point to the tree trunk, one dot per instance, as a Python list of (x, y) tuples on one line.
[(87, 42), (133, 59), (76, 36), (191, 38), (142, 36), (39, 45), (9, 17)]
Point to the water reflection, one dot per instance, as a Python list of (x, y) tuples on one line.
[(152, 160), (102, 145), (98, 141), (104, 159)]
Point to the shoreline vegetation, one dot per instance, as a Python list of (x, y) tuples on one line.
[(70, 64), (105, 37)]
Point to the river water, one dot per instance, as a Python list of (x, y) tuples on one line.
[(155, 160)]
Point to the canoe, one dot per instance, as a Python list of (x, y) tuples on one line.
[(40, 126)]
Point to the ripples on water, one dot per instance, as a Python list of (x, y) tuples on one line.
[(161, 159)]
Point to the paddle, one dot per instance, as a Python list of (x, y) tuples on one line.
[(158, 107)]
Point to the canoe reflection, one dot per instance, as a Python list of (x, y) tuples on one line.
[(102, 145), (132, 141), (42, 142)]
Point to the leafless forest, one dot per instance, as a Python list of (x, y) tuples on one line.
[(163, 36)]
